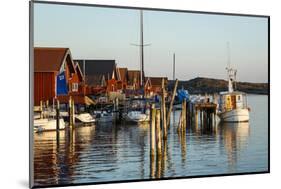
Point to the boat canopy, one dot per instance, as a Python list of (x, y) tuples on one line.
[(182, 94)]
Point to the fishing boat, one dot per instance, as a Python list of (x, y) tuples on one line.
[(233, 104), (85, 118), (41, 125)]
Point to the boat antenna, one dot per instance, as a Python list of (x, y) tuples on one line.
[(231, 73), (228, 54)]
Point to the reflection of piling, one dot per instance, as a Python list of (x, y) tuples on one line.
[(152, 168), (158, 166), (165, 154), (183, 145), (158, 134), (171, 103)]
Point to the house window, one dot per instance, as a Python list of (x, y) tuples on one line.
[(74, 87)]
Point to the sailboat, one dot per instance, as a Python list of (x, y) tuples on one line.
[(233, 104)]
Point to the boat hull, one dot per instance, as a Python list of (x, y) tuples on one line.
[(85, 118), (236, 115), (48, 125), (137, 117)]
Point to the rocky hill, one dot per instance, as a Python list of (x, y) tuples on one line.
[(202, 85)]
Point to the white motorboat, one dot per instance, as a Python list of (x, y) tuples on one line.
[(41, 125), (233, 104), (137, 116), (85, 118)]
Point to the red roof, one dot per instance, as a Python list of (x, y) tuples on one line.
[(123, 74), (157, 81), (133, 76), (49, 59), (79, 72)]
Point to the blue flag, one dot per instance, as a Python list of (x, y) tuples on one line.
[(61, 84)]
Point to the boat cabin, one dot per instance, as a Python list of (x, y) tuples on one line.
[(234, 100)]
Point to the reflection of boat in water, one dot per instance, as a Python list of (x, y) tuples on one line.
[(137, 116), (41, 125), (233, 104), (240, 129), (234, 140), (85, 118)]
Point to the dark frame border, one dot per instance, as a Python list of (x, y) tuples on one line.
[(31, 69)]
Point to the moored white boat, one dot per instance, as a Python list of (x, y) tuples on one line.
[(236, 115), (85, 118), (41, 125), (137, 116), (233, 104)]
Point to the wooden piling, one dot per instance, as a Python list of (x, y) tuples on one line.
[(152, 140), (70, 112), (47, 104), (187, 112), (201, 118), (58, 115), (73, 113), (152, 132), (196, 118), (171, 103), (180, 122), (184, 114), (41, 109), (58, 123), (158, 134), (163, 108)]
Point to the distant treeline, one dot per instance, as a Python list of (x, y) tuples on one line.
[(201, 85)]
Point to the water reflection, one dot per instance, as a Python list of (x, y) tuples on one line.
[(234, 140), (122, 152)]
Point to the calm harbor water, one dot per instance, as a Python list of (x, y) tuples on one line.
[(101, 153)]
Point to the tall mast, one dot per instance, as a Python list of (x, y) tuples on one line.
[(141, 49), (174, 67), (141, 45)]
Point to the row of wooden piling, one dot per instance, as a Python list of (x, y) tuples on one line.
[(159, 118), (71, 112)]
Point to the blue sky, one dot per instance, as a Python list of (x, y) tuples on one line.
[(199, 40)]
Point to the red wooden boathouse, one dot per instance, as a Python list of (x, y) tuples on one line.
[(48, 63)]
